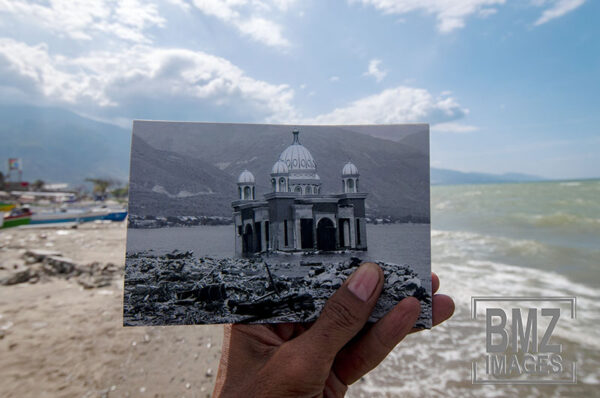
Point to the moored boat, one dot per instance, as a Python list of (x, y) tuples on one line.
[(78, 216), (4, 206), (17, 217)]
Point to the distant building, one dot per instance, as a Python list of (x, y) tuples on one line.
[(295, 216)]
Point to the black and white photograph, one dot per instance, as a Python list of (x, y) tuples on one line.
[(256, 223)]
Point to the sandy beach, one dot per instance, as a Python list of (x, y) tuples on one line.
[(60, 339)]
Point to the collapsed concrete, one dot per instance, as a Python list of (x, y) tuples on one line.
[(179, 288)]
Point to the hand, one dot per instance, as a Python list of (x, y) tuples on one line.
[(322, 359)]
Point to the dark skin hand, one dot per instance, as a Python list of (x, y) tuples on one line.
[(323, 358)]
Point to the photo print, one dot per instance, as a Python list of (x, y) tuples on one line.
[(256, 223)]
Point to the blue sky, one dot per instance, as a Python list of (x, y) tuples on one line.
[(506, 85)]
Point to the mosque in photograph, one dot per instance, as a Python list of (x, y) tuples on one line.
[(296, 216)]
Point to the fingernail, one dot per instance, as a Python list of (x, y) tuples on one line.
[(364, 281)]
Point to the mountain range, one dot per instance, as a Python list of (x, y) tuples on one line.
[(56, 145), (196, 168), (59, 146)]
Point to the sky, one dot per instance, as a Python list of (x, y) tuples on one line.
[(507, 86)]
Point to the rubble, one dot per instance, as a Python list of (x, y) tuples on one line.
[(42, 264), (179, 288)]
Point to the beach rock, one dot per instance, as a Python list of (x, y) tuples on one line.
[(35, 256), (14, 278), (60, 265)]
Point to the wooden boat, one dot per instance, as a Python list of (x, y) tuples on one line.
[(24, 216), (17, 217), (78, 216), (4, 206)]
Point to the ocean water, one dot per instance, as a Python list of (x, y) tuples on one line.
[(395, 243), (530, 239)]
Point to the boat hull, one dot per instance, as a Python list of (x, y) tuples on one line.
[(16, 221), (81, 217), (6, 206)]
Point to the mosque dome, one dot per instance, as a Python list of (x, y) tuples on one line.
[(349, 170), (280, 167), (297, 157), (246, 177)]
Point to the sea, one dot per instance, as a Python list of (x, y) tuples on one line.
[(527, 239), (503, 240)]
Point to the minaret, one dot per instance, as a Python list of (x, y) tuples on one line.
[(246, 186), (350, 178)]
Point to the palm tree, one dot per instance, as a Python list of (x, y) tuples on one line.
[(101, 185), (37, 185)]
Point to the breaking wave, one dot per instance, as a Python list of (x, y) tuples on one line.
[(438, 363), (558, 220)]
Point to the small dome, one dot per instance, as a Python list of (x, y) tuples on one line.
[(246, 178), (349, 170), (280, 167)]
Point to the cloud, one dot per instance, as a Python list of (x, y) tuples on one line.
[(395, 105), (249, 17), (374, 71), (452, 127), (264, 31), (118, 82), (334, 79), (450, 14), (558, 9), (83, 20), (180, 3)]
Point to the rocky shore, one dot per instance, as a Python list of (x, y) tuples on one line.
[(179, 288)]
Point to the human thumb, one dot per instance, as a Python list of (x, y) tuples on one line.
[(345, 313)]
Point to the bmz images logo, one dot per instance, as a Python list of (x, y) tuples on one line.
[(519, 348)]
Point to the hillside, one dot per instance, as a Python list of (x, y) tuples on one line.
[(60, 146), (170, 184), (395, 175), (453, 177)]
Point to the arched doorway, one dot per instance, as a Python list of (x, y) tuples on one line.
[(325, 234), (247, 241), (306, 233)]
